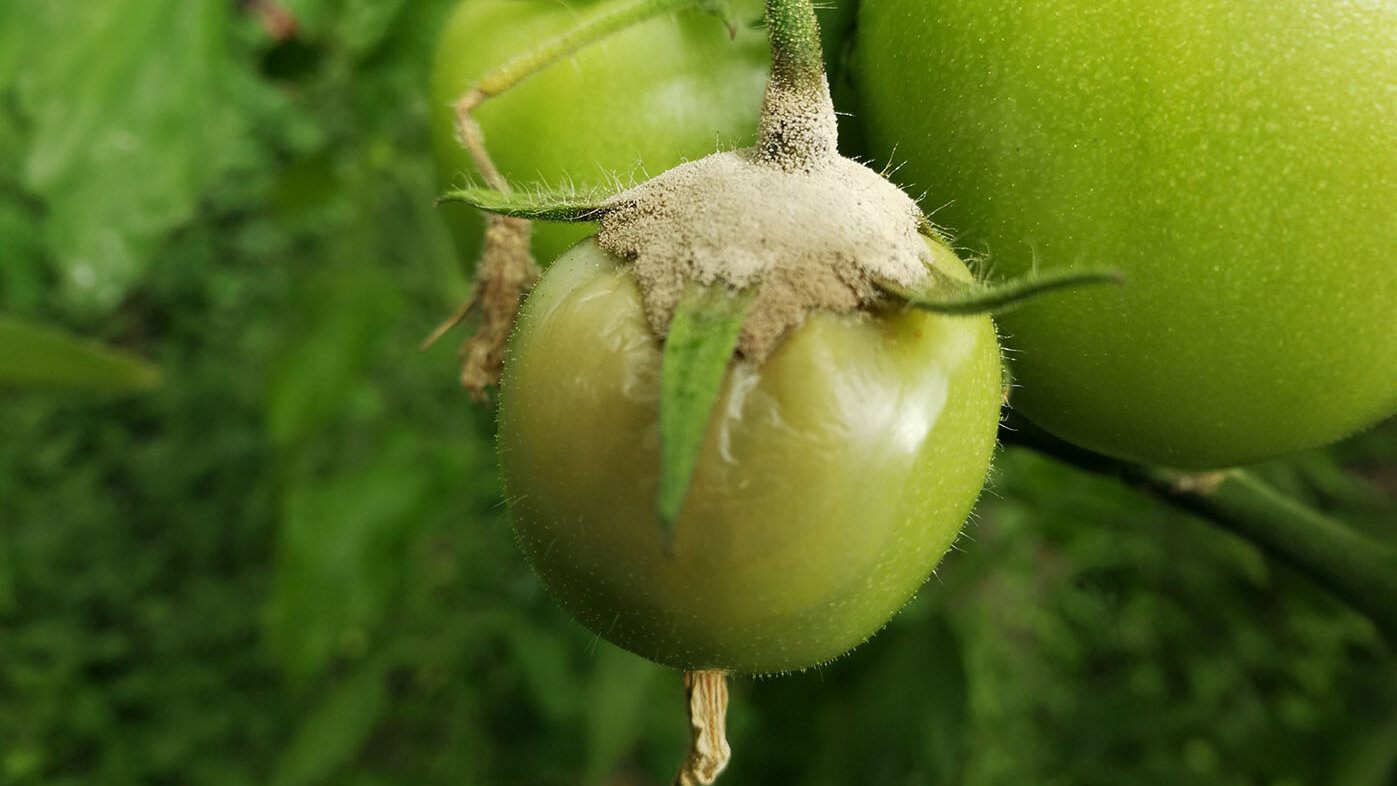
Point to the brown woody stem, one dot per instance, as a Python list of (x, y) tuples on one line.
[(707, 694), (506, 272)]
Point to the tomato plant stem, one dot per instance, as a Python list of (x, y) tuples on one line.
[(797, 129), (795, 43), (507, 266), (1354, 567), (526, 64), (565, 44)]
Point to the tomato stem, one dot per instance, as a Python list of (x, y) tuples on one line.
[(1357, 569), (507, 265), (797, 129), (796, 58), (565, 44), (527, 64)]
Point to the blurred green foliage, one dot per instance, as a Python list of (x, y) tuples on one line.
[(290, 564), (34, 356)]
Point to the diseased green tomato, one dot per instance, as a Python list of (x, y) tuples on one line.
[(834, 476), (666, 90), (1236, 159)]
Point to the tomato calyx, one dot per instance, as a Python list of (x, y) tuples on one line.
[(535, 205), (944, 294), (732, 252), (683, 219)]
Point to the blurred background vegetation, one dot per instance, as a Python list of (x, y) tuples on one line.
[(289, 564)]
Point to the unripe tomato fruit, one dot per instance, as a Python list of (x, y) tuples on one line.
[(833, 478), (1237, 160), (666, 90)]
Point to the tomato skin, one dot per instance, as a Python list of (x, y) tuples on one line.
[(1237, 160), (833, 478), (666, 90)]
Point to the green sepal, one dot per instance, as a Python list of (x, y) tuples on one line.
[(43, 358), (533, 205), (702, 337), (929, 230), (950, 296)]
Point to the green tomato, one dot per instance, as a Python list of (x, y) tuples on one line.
[(634, 105), (1237, 160), (833, 478)]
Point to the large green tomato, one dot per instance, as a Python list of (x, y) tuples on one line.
[(634, 105), (834, 476), (1236, 159)]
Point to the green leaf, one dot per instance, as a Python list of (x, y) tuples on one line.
[(334, 732), (544, 661), (16, 37), (621, 688), (533, 205), (33, 356), (8, 599), (340, 557), (1367, 754), (315, 379), (22, 271), (366, 23), (130, 125), (702, 337), (926, 727)]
